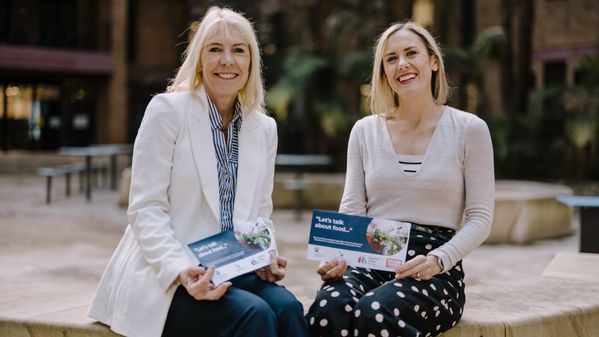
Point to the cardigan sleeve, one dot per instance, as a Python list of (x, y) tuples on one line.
[(354, 193), (479, 198)]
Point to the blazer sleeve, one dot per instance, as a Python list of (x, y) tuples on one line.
[(265, 209), (150, 180)]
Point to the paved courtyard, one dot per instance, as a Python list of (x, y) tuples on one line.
[(67, 244)]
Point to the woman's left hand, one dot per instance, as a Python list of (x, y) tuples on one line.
[(275, 272), (420, 267)]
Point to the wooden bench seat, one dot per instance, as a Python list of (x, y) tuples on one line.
[(553, 305)]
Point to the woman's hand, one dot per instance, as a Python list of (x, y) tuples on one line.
[(275, 272), (420, 267), (197, 282), (332, 270)]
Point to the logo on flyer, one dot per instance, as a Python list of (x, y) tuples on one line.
[(392, 263)]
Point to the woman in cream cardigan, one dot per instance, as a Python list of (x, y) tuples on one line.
[(203, 162), (418, 161)]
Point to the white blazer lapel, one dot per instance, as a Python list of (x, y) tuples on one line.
[(251, 146), (202, 146)]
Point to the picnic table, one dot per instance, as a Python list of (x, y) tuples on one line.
[(94, 151), (299, 163), (589, 220)]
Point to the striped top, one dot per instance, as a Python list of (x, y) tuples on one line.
[(409, 164), (227, 158)]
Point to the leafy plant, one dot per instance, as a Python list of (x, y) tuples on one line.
[(256, 240)]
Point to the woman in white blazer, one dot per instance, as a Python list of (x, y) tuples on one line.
[(203, 161)]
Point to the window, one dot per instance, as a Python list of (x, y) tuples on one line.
[(554, 73)]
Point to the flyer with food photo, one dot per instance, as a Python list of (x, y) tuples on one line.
[(233, 253), (366, 242)]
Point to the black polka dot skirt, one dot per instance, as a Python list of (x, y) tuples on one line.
[(368, 303)]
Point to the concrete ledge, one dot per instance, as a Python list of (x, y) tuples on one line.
[(526, 211), (322, 190), (39, 312), (537, 306)]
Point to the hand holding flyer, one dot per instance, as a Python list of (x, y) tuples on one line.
[(233, 253), (361, 241)]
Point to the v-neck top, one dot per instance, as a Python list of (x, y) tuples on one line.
[(454, 186)]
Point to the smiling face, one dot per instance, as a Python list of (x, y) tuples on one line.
[(225, 61), (407, 64)]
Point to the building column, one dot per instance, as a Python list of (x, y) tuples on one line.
[(112, 121)]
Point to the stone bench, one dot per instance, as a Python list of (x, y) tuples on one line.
[(527, 210), (524, 210), (319, 190), (564, 301)]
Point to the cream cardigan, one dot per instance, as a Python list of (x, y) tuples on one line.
[(454, 187)]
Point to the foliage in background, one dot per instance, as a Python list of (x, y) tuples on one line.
[(471, 63), (558, 136), (317, 62), (315, 95), (555, 137)]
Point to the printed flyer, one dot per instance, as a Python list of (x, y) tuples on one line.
[(373, 243), (233, 253)]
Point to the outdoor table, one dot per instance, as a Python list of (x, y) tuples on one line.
[(299, 163), (89, 152), (589, 220)]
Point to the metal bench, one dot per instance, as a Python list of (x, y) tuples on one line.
[(51, 172), (99, 168)]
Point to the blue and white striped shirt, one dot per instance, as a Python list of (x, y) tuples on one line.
[(227, 157)]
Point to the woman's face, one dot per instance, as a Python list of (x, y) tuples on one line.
[(225, 62), (407, 64)]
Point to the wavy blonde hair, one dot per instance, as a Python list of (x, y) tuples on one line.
[(383, 100), (217, 20)]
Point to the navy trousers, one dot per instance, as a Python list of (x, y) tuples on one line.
[(250, 307)]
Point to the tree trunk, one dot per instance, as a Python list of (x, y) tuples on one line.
[(525, 17), (517, 21), (506, 58), (399, 10)]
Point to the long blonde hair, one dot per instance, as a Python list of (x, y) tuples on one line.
[(216, 20), (383, 100)]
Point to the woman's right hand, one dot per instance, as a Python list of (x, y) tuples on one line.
[(197, 282), (332, 270)]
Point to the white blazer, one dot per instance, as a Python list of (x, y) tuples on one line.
[(174, 201)]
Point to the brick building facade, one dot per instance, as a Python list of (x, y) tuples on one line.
[(78, 72)]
